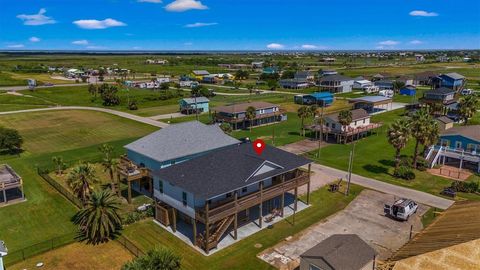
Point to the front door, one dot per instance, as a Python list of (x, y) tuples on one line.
[(458, 145)]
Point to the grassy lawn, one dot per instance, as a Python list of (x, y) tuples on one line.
[(374, 158), (147, 235), (74, 135), (55, 131), (41, 78), (79, 256)]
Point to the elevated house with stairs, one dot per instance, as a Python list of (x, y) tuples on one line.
[(210, 190)]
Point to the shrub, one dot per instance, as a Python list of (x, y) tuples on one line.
[(404, 172), (133, 105), (422, 164), (468, 187)]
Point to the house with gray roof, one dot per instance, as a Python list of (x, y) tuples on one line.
[(339, 252), (336, 83), (451, 80), (194, 105)]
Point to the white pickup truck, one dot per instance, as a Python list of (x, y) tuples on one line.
[(401, 209)]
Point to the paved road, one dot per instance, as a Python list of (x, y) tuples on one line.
[(418, 196), (133, 117)]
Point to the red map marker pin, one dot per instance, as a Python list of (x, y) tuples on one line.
[(258, 146)]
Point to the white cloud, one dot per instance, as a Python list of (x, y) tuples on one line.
[(423, 13), (199, 24), (388, 43), (188, 43), (150, 1), (96, 24), (14, 46), (416, 42), (184, 5), (137, 48), (36, 19), (275, 46), (309, 46), (34, 39), (80, 42), (92, 47)]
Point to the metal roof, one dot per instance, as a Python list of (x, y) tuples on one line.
[(335, 77), (199, 100), (472, 132), (228, 169), (454, 76), (372, 99), (180, 140)]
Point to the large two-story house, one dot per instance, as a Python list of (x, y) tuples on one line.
[(336, 83), (236, 114), (444, 96), (207, 185), (452, 81)]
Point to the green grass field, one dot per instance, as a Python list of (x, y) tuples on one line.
[(374, 158), (148, 235), (74, 135)]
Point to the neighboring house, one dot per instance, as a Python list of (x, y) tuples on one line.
[(293, 83), (73, 73), (407, 80), (328, 72), (156, 61), (328, 60), (384, 84), (419, 58), (304, 76), (11, 185), (372, 104), (211, 78), (270, 70), (173, 144), (339, 252), (320, 98), (458, 146), (380, 76), (257, 64), (443, 95), (199, 74), (3, 253), (192, 105), (444, 123), (442, 58), (408, 90), (362, 84), (235, 114), (452, 80), (360, 118), (424, 78), (336, 83)]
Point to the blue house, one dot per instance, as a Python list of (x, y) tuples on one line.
[(192, 105), (384, 84), (270, 70), (408, 90), (457, 146), (452, 81), (320, 98), (208, 181)]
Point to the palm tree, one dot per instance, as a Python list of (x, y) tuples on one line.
[(345, 118), (420, 128), (195, 93), (155, 259), (250, 114), (109, 164), (467, 107), (398, 135), (59, 164), (312, 111), (99, 221), (303, 113), (433, 134), (81, 179)]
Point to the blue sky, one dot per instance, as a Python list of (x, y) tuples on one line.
[(239, 24)]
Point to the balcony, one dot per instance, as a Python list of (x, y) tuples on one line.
[(230, 119), (130, 171), (230, 207)]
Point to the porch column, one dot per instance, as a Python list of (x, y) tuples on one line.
[(296, 199), (150, 186), (194, 227), (461, 161), (308, 183), (4, 194), (174, 220), (129, 191), (21, 189), (261, 205), (282, 205), (235, 221), (207, 228)]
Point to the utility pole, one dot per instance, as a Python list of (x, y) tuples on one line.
[(321, 132), (350, 167)]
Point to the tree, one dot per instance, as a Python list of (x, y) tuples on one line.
[(288, 74), (433, 135), (226, 127), (93, 89), (467, 107), (81, 179), (250, 114), (302, 113), (272, 84), (155, 259), (99, 220), (420, 128), (398, 135), (10, 140), (241, 74), (108, 162), (109, 96), (312, 111), (397, 85), (195, 93), (345, 118), (59, 164), (165, 86)]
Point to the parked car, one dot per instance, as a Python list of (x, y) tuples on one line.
[(466, 92), (401, 209)]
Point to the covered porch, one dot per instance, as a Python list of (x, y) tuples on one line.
[(11, 186), (349, 135), (135, 176)]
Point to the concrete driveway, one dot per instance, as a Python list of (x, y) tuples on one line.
[(364, 217)]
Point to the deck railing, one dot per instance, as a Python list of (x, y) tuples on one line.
[(250, 200)]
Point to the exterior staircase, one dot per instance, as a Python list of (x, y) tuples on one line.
[(218, 229)]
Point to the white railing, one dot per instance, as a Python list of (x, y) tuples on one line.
[(430, 151), (434, 161)]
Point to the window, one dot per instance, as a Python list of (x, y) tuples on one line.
[(333, 126), (458, 144), (364, 121), (328, 124), (160, 188), (471, 147), (355, 123), (184, 198), (444, 143), (244, 189), (229, 195)]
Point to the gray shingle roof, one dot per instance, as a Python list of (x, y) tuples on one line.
[(357, 114), (441, 91), (199, 100), (340, 251), (181, 140), (455, 76), (336, 77), (201, 72), (228, 169), (472, 132)]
